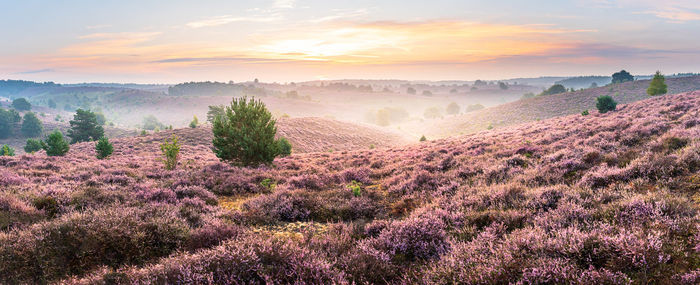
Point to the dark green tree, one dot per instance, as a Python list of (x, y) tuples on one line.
[(103, 148), (622, 76), (31, 125), (33, 145), (8, 121), (21, 104), (55, 144), (84, 127), (502, 85), (658, 85), (605, 104), (285, 148), (245, 134), (555, 89)]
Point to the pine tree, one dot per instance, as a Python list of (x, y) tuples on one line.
[(245, 134), (103, 148), (84, 127), (6, 150), (55, 144), (33, 145), (658, 85)]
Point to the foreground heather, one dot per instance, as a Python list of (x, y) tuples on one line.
[(599, 199)]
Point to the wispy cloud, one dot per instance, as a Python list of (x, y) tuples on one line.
[(676, 11), (283, 4), (227, 19), (36, 71)]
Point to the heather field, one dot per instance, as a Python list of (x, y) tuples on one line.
[(544, 107), (600, 199)]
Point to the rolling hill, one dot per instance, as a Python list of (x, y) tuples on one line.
[(544, 107), (601, 199)]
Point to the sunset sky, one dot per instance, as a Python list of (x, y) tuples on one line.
[(287, 40)]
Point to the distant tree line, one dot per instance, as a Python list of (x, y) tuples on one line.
[(209, 88)]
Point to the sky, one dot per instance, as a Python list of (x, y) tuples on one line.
[(175, 41)]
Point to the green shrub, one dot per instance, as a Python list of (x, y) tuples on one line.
[(285, 148), (55, 144), (33, 145), (622, 76), (585, 113), (150, 123), (103, 148), (605, 103), (6, 150), (31, 126), (423, 138), (245, 134), (658, 85), (84, 127), (21, 104), (356, 188), (171, 152), (194, 122)]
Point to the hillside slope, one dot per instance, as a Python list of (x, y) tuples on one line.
[(544, 107), (601, 199)]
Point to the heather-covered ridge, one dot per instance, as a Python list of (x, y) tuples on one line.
[(544, 107), (600, 199)]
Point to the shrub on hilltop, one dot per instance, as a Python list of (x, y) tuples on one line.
[(622, 76), (84, 127), (245, 134), (55, 144), (452, 108), (554, 89), (171, 152), (605, 104), (657, 86)]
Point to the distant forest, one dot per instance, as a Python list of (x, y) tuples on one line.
[(209, 88), (9, 87)]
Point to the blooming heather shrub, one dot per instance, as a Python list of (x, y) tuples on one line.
[(78, 242), (212, 233), (409, 240), (196, 192), (193, 210), (10, 178), (283, 205), (15, 212), (248, 260)]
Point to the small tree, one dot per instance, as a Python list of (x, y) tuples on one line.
[(55, 144), (171, 152), (658, 85), (285, 148), (103, 148), (84, 127), (31, 126), (585, 113), (423, 138), (245, 134), (502, 85), (605, 104), (52, 104), (6, 150), (411, 90), (21, 104), (452, 108), (151, 123), (33, 145), (194, 122), (622, 76)]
